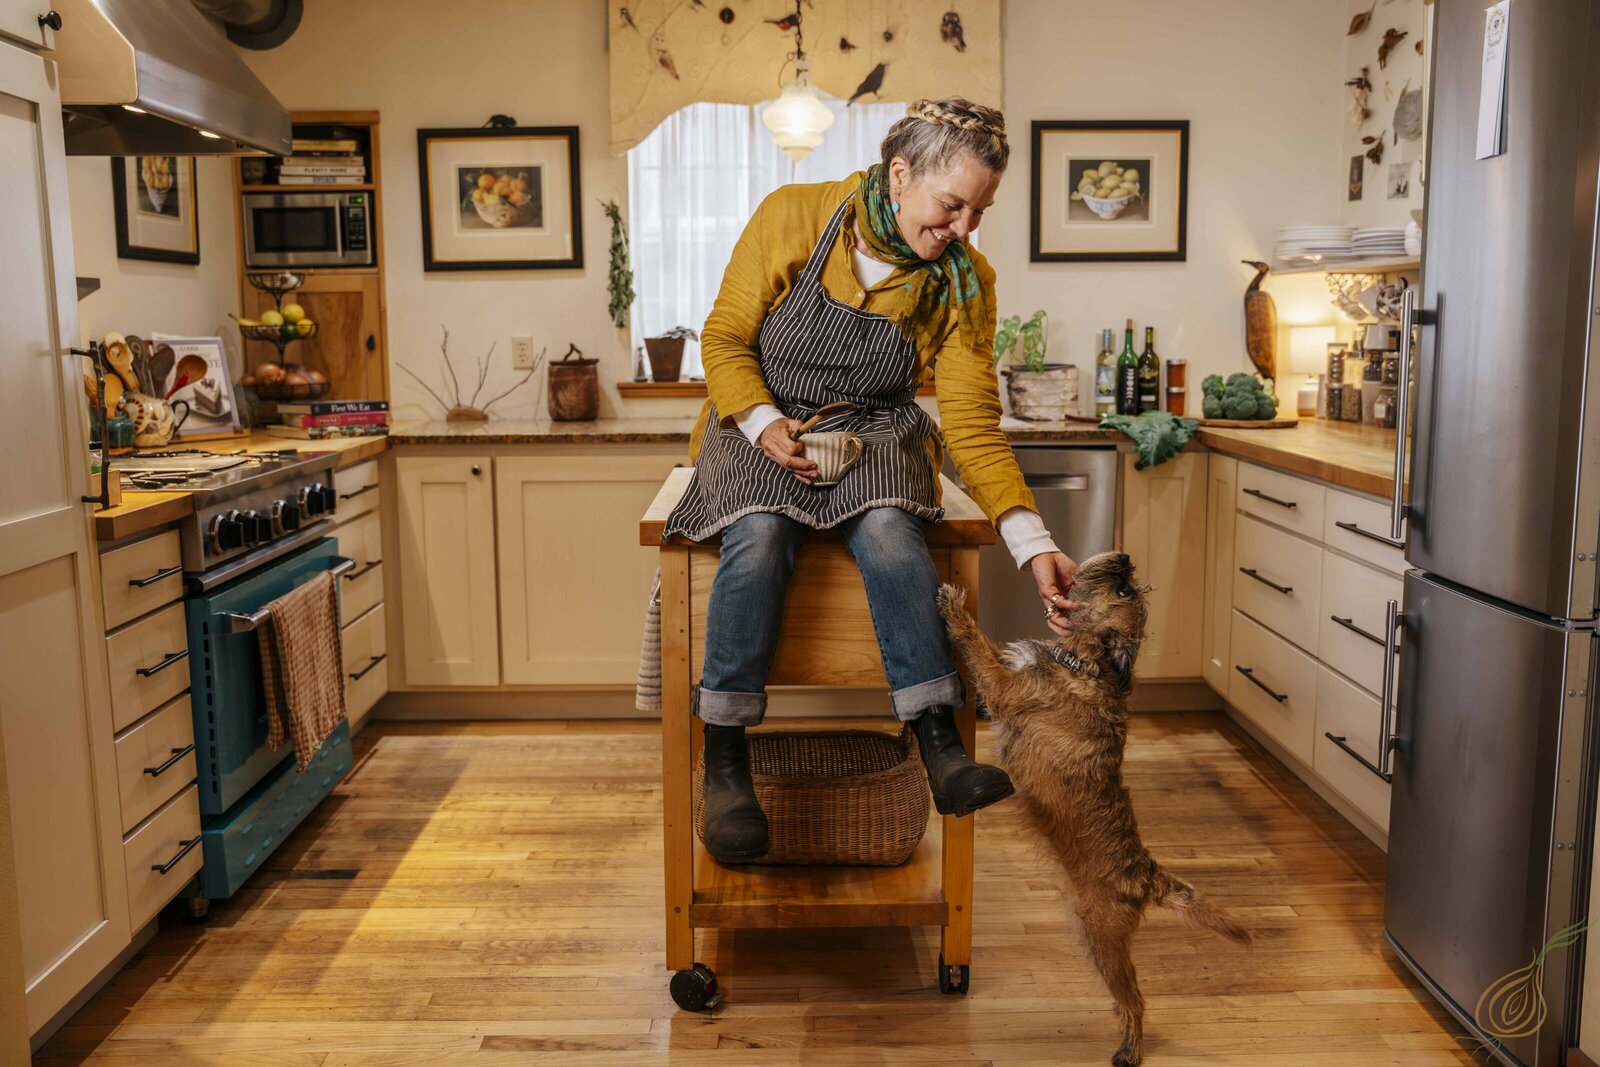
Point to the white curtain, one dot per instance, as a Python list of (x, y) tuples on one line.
[(693, 185)]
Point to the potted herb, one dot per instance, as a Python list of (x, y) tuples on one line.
[(666, 353), (1039, 391)]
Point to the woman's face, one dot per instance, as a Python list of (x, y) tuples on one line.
[(939, 207)]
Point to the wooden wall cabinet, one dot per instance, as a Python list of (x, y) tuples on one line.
[(1164, 530), (19, 21)]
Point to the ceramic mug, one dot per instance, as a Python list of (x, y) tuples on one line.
[(154, 419), (834, 453)]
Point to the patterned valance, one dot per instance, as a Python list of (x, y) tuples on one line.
[(669, 53)]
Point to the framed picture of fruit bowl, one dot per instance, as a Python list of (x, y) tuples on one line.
[(500, 198), (155, 207), (1108, 191)]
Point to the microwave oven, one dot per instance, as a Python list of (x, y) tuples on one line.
[(308, 230)]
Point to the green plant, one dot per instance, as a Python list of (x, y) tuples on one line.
[(620, 281), (1033, 334), (678, 331)]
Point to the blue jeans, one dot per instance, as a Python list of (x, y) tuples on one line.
[(746, 608)]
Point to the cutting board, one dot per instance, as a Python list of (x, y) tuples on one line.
[(1252, 424)]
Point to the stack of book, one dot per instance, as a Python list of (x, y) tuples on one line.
[(320, 420), (324, 161)]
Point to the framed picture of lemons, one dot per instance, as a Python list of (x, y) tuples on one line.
[(500, 198), (1107, 191), (154, 198)]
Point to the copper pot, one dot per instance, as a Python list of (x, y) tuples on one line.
[(574, 388)]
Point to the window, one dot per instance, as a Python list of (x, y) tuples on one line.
[(693, 185)]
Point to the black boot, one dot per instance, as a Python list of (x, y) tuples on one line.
[(960, 785), (735, 826)]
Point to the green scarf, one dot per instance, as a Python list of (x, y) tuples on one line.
[(934, 282)]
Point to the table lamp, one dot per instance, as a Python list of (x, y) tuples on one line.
[(1308, 355)]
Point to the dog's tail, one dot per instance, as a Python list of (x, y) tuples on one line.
[(1172, 892)]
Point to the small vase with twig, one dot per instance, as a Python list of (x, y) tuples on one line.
[(467, 409)]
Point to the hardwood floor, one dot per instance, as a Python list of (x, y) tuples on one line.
[(491, 894)]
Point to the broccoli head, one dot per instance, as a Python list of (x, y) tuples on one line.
[(1238, 406), (1211, 406), (1266, 406), (1240, 379), (1212, 385)]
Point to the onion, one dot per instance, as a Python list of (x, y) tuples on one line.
[(316, 377), (268, 372)]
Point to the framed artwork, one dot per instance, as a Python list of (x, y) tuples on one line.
[(156, 208), (500, 198), (1108, 191), (195, 371)]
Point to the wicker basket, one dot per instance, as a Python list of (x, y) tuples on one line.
[(837, 797)]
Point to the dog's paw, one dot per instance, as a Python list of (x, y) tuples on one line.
[(1125, 1058), (952, 602)]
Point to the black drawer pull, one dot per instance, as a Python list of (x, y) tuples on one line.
[(1284, 589), (358, 492), (1349, 624), (362, 673), (371, 563), (1250, 673), (140, 583), (172, 657), (1358, 757), (1269, 499), (177, 754), (173, 862), (1382, 540)]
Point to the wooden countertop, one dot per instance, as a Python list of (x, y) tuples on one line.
[(669, 431), (141, 510), (1348, 454)]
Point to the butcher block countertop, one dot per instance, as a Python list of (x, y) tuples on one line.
[(142, 510), (1347, 454)]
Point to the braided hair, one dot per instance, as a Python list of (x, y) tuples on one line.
[(934, 132)]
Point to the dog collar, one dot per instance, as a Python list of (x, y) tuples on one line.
[(1071, 661)]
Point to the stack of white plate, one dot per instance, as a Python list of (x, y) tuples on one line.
[(1301, 244), (1385, 241)]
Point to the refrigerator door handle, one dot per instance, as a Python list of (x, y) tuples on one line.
[(1387, 713), (1399, 509)]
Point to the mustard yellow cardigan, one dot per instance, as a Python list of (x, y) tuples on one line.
[(769, 256)]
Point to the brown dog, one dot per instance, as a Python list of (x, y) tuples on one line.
[(1061, 714)]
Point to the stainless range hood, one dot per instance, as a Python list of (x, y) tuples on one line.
[(156, 77)]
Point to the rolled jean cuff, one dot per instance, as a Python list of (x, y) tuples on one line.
[(909, 703), (728, 709)]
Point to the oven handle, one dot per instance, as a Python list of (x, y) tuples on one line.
[(234, 622)]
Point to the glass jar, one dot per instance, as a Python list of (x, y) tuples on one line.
[(1385, 406)]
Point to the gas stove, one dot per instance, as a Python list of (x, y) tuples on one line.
[(249, 507)]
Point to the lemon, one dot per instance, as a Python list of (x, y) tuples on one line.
[(293, 312), (304, 327), (271, 318)]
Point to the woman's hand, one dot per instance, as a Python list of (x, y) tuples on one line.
[(779, 443), (1053, 573)]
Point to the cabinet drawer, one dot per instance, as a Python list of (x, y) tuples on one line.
[(1356, 594), (357, 488), (1345, 711), (140, 577), (1277, 580), (1281, 499), (1278, 669), (360, 539), (173, 833), (366, 664), (149, 664), (1360, 518), (155, 759)]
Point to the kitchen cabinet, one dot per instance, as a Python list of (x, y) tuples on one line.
[(349, 346), (1164, 530), (447, 570), (560, 624), (1221, 483), (24, 21), (62, 820)]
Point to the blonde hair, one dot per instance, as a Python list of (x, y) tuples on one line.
[(935, 131)]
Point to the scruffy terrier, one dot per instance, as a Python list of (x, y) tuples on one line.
[(1060, 710)]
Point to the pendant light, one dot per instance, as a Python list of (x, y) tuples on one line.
[(798, 118)]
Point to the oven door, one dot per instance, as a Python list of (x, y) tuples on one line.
[(229, 703), (297, 230)]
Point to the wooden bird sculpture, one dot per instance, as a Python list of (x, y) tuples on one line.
[(1261, 323)]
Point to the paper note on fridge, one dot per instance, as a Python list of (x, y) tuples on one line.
[(1492, 93)]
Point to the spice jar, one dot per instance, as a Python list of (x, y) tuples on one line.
[(1177, 398), (1385, 405)]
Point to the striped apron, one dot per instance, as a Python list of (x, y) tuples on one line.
[(813, 350)]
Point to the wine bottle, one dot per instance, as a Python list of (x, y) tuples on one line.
[(1149, 373), (1105, 375), (1127, 375)]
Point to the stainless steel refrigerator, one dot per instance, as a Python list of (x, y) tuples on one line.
[(1492, 735)]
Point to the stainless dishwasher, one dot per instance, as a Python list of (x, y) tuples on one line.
[(1076, 490)]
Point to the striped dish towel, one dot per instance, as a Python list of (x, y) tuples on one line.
[(302, 667), (647, 692)]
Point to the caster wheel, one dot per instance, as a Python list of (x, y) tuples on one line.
[(953, 980), (695, 990)]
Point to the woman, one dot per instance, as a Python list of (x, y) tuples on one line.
[(856, 290)]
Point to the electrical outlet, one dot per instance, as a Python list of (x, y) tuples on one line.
[(522, 353)]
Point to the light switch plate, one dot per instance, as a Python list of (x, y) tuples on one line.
[(522, 353)]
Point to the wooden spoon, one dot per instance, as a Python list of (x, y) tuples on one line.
[(120, 358), (838, 407)]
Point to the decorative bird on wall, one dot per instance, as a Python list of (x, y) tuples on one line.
[(1261, 323), (870, 84), (950, 31)]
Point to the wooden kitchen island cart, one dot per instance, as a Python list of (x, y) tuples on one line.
[(827, 639)]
